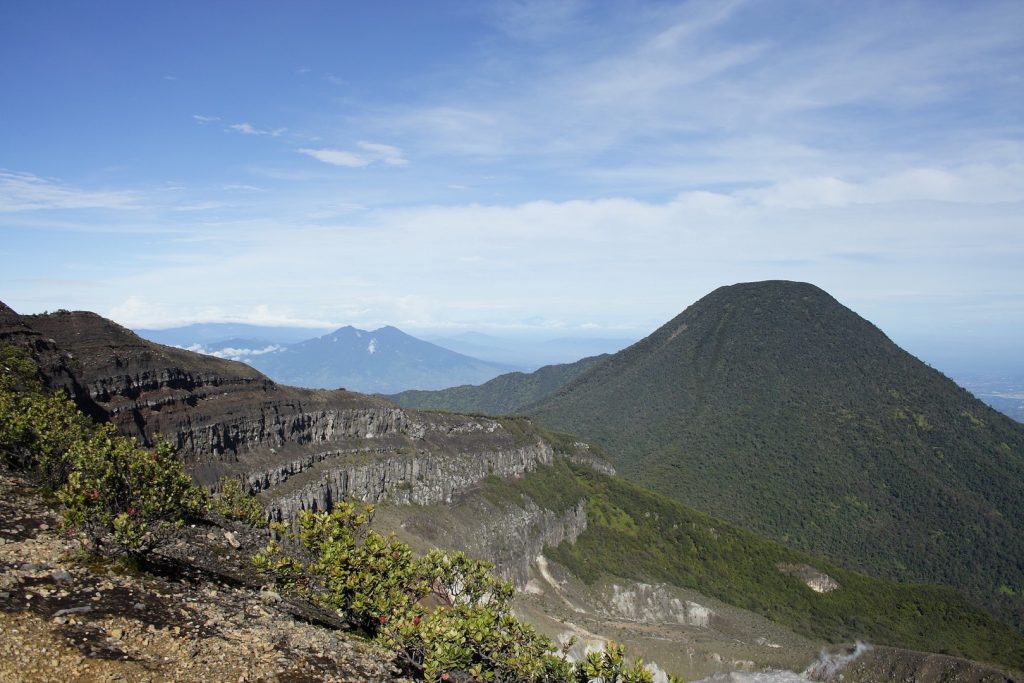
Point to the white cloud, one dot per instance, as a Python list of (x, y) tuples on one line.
[(248, 129), (608, 263), (138, 311), (200, 206), (974, 184), (708, 74), (233, 353), (27, 192), (336, 157), (371, 152), (205, 119), (388, 154), (242, 187)]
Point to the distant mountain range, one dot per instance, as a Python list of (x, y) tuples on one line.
[(384, 360), (772, 405)]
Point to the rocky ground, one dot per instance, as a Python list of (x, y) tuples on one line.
[(198, 613)]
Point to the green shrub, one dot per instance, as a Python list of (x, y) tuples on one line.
[(443, 614), (136, 495), (342, 565), (36, 429), (235, 503), (108, 484)]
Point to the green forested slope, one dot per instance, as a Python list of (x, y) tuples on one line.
[(501, 395), (773, 406), (636, 534)]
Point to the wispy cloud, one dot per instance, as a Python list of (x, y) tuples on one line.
[(336, 157), (975, 184), (679, 83), (369, 153), (536, 19), (248, 129), (199, 118), (27, 192), (242, 187)]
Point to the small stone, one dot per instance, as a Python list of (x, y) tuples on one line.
[(117, 633), (60, 620), (61, 575), (232, 540)]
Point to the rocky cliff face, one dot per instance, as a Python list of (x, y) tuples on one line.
[(513, 539), (512, 535), (423, 478)]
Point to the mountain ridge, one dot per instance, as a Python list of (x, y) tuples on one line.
[(501, 395)]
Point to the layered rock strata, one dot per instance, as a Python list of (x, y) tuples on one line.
[(422, 478)]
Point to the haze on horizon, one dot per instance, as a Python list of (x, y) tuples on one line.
[(555, 168)]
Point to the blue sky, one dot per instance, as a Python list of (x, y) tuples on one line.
[(564, 168)]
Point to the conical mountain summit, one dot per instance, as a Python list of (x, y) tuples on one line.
[(774, 406)]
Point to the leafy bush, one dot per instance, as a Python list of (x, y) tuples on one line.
[(108, 484), (36, 429), (137, 495), (235, 503), (443, 614)]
